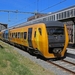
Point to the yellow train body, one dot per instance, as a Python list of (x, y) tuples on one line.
[(36, 39)]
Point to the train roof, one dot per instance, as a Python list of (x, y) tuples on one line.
[(47, 23), (53, 23)]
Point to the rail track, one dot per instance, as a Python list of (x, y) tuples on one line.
[(65, 65)]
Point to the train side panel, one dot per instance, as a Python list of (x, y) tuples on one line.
[(38, 39), (16, 36)]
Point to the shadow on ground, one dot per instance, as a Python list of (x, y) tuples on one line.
[(1, 46), (71, 55), (71, 46)]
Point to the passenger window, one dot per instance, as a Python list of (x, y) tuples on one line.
[(12, 35), (25, 34), (18, 35), (21, 35), (40, 31)]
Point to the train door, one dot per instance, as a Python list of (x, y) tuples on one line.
[(30, 37), (36, 36)]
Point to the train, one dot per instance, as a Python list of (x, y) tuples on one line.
[(46, 38)]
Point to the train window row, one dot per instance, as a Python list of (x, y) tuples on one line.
[(19, 35)]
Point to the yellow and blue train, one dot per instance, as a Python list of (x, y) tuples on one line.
[(48, 38)]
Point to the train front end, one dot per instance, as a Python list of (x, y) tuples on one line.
[(57, 39)]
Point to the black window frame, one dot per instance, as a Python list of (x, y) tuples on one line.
[(25, 35), (34, 34), (18, 35), (15, 35), (40, 31)]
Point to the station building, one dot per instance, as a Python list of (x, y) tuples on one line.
[(3, 26), (37, 15)]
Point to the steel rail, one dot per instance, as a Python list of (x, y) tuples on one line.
[(68, 62), (63, 68)]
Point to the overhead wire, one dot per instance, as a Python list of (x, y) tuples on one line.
[(53, 5), (43, 9), (27, 12), (18, 21)]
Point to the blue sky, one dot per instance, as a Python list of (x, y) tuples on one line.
[(29, 6)]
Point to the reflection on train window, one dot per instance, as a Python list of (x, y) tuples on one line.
[(18, 35), (22, 35), (35, 34), (55, 31), (40, 31), (25, 34), (13, 35)]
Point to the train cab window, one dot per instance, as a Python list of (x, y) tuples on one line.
[(25, 34), (40, 31), (55, 31)]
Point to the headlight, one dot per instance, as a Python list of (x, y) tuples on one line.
[(57, 50)]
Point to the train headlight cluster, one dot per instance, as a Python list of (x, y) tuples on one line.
[(57, 50)]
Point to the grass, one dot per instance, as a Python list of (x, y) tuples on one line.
[(12, 63)]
